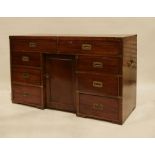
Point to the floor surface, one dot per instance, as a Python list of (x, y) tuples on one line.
[(23, 121)]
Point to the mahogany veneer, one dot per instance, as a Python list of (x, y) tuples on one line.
[(91, 76)]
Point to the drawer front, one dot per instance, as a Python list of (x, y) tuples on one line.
[(98, 47), (26, 58), (99, 64), (69, 46), (98, 84), (24, 75), (98, 107), (33, 45), (27, 95)]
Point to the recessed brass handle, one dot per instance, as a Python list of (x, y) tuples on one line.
[(25, 94), (26, 75), (97, 64), (25, 58), (98, 106), (86, 47), (97, 84), (32, 44)]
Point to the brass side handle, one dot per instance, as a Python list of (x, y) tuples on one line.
[(97, 84), (98, 106), (131, 63), (97, 64), (25, 94), (32, 44), (25, 58), (86, 47), (26, 75)]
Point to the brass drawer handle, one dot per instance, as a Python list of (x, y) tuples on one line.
[(97, 84), (97, 64), (86, 47), (97, 106), (25, 58), (25, 94), (26, 75), (32, 44)]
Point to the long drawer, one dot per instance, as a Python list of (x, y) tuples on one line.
[(98, 84), (28, 95), (34, 45), (26, 59), (89, 46), (26, 75), (99, 64), (99, 107)]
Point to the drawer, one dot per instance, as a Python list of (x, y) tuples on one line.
[(25, 75), (99, 107), (27, 95), (26, 58), (85, 46), (98, 84), (34, 45), (99, 64)]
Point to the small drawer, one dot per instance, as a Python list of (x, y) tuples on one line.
[(99, 107), (34, 45), (70, 46), (26, 95), (98, 84), (26, 58), (89, 46), (25, 75), (99, 64)]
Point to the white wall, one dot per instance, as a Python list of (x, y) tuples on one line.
[(143, 27)]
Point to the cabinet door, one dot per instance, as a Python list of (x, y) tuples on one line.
[(60, 82)]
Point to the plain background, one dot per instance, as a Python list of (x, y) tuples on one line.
[(110, 8), (144, 124)]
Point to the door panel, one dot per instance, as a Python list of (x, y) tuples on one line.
[(60, 82)]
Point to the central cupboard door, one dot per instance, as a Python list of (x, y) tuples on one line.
[(60, 81)]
